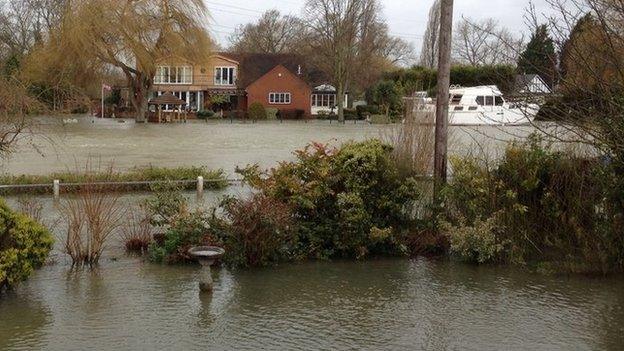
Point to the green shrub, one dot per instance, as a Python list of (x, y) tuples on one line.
[(342, 199), (257, 111), (271, 113), (24, 246), (550, 206), (206, 114), (169, 210), (478, 243)]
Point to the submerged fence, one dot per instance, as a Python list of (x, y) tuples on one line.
[(56, 186)]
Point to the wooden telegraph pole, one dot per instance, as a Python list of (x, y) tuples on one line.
[(442, 101)]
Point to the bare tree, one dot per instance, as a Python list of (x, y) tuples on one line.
[(15, 107), (429, 51), (484, 43), (347, 36), (272, 34)]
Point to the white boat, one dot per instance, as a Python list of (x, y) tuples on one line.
[(485, 105)]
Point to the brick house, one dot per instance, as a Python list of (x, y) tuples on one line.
[(282, 89), (274, 80)]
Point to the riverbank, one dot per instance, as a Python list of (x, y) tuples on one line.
[(107, 179)]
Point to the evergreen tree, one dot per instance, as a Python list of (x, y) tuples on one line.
[(570, 46), (539, 56)]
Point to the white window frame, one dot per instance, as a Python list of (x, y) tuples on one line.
[(225, 81), (280, 98), (323, 100), (181, 75)]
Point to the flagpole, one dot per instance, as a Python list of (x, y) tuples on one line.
[(102, 113)]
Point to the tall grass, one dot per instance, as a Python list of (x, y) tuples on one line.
[(412, 142), (137, 231), (91, 217)]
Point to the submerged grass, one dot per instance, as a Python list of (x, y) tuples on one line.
[(213, 179)]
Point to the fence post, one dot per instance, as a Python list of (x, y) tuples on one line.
[(200, 185), (56, 188)]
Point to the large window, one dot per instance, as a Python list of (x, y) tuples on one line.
[(279, 98), (324, 100), (225, 75), (173, 75)]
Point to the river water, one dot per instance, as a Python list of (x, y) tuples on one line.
[(390, 304), (61, 147)]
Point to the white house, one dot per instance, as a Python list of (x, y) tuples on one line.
[(531, 84), (324, 99)]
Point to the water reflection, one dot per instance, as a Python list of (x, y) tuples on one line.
[(384, 304)]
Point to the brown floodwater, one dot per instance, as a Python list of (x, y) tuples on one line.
[(128, 303), (215, 144)]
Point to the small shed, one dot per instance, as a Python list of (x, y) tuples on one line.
[(167, 99)]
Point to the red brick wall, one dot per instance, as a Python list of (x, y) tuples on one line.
[(280, 80)]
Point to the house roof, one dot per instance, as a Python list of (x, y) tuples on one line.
[(166, 99), (280, 68), (254, 65), (524, 80)]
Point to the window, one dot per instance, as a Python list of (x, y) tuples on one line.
[(480, 100), (498, 100), (279, 98), (323, 100), (225, 75), (472, 108), (489, 101), (455, 99), (173, 75), (458, 108)]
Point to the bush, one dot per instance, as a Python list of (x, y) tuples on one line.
[(24, 246), (347, 202), (257, 111), (185, 231), (350, 114), (550, 207), (364, 111), (206, 114), (478, 243), (295, 114), (271, 113), (255, 231), (168, 209)]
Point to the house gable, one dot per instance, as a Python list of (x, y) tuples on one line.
[(279, 72), (280, 88)]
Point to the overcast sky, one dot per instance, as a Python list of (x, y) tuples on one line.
[(406, 18)]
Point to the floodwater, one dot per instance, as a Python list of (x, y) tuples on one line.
[(215, 144), (128, 303)]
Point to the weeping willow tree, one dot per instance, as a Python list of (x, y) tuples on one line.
[(130, 37)]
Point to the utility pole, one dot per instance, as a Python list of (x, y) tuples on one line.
[(442, 101)]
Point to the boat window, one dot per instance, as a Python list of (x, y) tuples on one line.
[(456, 99), (480, 100), (472, 108), (489, 101), (459, 108), (498, 100)]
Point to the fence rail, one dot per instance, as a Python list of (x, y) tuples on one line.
[(56, 185)]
